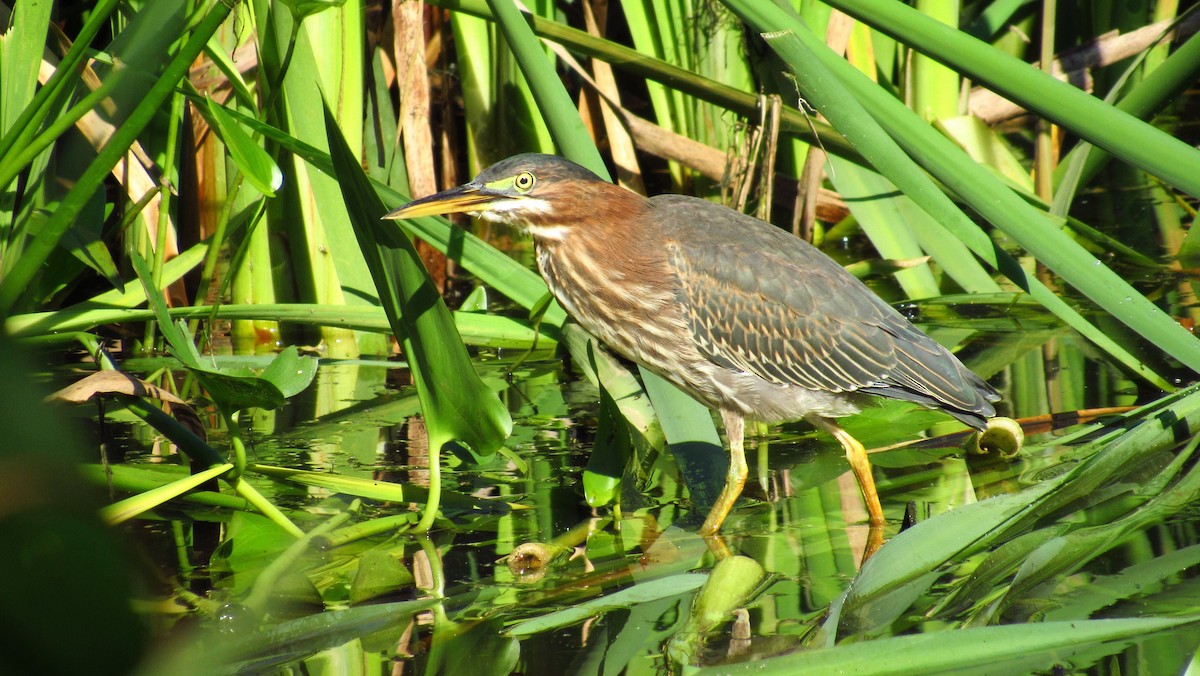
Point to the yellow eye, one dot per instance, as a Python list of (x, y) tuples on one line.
[(524, 181)]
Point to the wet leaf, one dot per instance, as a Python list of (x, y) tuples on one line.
[(378, 573), (252, 542), (289, 372), (479, 647)]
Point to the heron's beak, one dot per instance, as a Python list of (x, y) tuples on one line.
[(464, 198)]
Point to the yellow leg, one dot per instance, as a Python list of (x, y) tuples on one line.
[(861, 466), (735, 479)]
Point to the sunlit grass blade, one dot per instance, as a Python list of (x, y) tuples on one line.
[(934, 88), (988, 147), (475, 38), (148, 500), (256, 165), (456, 404), (474, 328), (654, 34), (385, 157), (140, 479), (1023, 648)]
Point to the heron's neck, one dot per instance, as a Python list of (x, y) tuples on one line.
[(608, 218), (609, 244)]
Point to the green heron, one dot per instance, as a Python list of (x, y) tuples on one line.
[(741, 315)]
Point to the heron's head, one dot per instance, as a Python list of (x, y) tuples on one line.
[(545, 195)]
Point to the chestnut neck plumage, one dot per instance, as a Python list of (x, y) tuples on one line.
[(600, 218), (606, 264)]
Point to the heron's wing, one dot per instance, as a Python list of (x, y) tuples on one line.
[(762, 301)]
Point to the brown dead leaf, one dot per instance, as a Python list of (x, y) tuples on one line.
[(103, 383)]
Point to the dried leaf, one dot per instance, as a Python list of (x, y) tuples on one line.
[(103, 383)]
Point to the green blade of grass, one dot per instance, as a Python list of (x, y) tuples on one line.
[(457, 405), (144, 502), (934, 87), (20, 59), (473, 327), (1036, 647)]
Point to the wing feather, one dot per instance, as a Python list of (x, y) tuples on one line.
[(764, 302)]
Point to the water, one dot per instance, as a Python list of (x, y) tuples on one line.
[(801, 520)]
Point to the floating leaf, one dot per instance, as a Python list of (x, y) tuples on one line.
[(230, 389), (378, 573)]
